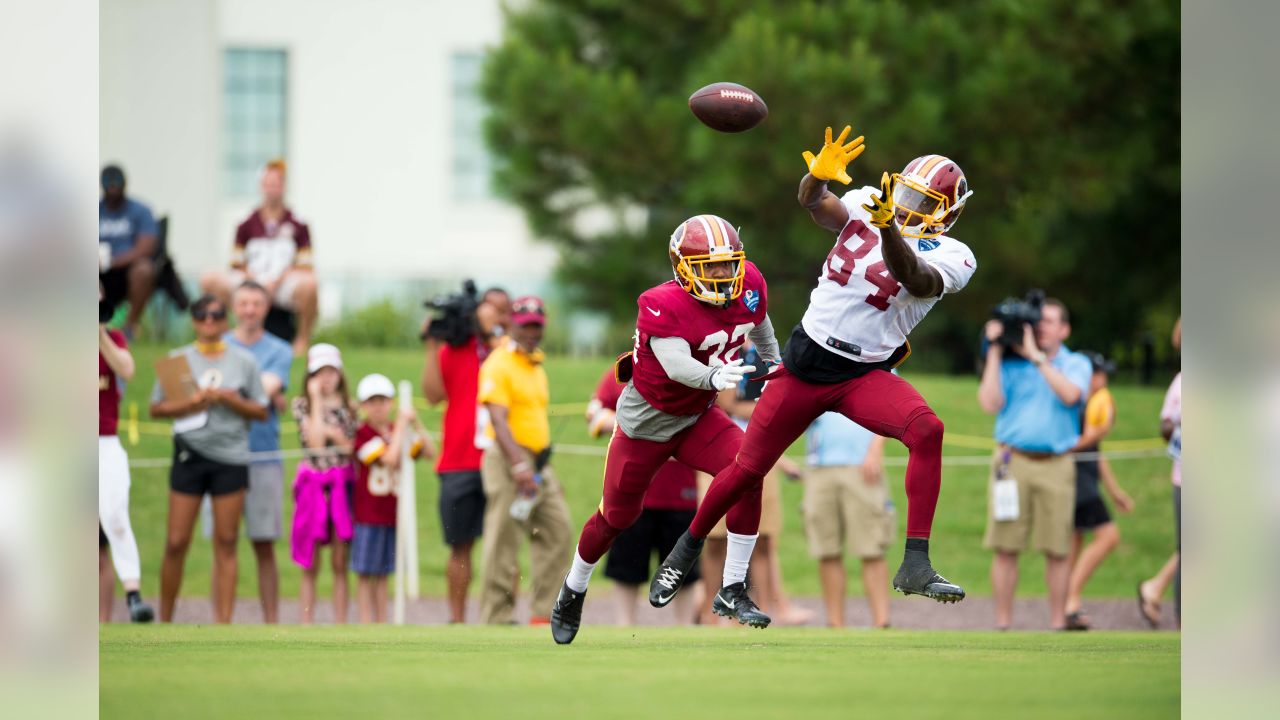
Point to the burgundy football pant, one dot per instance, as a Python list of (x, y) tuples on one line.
[(880, 401), (709, 445)]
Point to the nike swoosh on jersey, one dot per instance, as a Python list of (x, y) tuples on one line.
[(656, 313), (967, 264)]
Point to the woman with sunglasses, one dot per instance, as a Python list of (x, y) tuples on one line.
[(210, 452)]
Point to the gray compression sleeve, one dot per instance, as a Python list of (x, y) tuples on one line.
[(766, 342), (676, 358)]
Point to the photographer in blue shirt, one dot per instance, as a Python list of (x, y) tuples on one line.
[(1036, 387)]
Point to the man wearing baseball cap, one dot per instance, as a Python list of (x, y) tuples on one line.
[(516, 474), (127, 240)]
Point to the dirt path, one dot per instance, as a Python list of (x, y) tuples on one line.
[(913, 613)]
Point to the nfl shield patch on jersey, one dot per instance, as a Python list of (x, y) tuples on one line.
[(926, 244), (751, 299)]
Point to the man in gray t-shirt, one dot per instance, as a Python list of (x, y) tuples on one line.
[(224, 435)]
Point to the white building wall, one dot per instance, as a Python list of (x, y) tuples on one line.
[(159, 113), (369, 134)]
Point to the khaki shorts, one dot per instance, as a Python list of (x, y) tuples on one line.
[(1046, 506), (842, 511), (770, 506)]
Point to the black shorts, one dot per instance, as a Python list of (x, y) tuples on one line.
[(1092, 513), (195, 474), (461, 506), (655, 530), (102, 538), (115, 285)]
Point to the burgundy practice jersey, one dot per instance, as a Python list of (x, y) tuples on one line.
[(714, 335), (109, 389), (268, 249)]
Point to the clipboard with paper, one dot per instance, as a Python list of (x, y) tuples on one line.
[(178, 382)]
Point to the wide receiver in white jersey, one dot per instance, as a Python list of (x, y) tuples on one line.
[(890, 264)]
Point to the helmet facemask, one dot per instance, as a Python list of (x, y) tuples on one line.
[(694, 273), (921, 211)]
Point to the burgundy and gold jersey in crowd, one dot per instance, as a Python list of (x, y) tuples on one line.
[(266, 249), (714, 335), (109, 390)]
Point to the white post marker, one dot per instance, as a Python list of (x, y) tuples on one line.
[(406, 521)]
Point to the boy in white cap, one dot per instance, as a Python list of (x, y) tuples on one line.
[(378, 446)]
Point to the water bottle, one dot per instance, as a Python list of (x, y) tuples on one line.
[(522, 507)]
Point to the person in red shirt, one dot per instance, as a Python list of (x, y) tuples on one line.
[(378, 447), (114, 529), (452, 373), (669, 506), (273, 248)]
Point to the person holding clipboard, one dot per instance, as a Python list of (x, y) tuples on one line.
[(211, 391)]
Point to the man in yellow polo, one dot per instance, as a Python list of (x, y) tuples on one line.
[(521, 492)]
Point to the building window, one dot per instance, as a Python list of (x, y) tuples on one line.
[(472, 163), (254, 99)]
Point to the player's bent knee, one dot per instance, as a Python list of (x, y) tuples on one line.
[(618, 519), (748, 474), (925, 428)]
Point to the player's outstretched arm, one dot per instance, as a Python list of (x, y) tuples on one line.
[(823, 205), (829, 164), (910, 270)]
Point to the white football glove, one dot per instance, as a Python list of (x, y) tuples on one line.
[(727, 376)]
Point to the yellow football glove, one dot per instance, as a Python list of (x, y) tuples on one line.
[(881, 208), (830, 162)]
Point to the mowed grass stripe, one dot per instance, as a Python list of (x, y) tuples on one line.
[(478, 672)]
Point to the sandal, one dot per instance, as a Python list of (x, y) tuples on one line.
[(1149, 609)]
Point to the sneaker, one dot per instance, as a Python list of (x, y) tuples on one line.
[(566, 615), (733, 602), (140, 611), (674, 570), (917, 577), (1078, 621)]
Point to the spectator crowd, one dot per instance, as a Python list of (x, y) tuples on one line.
[(225, 392)]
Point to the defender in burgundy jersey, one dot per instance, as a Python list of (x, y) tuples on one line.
[(688, 331), (891, 263)]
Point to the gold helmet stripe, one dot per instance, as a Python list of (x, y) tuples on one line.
[(929, 165)]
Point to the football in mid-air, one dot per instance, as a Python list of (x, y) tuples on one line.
[(728, 107)]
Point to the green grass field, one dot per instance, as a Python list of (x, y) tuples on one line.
[(957, 550), (482, 672)]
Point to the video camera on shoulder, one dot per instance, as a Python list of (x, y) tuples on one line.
[(454, 319), (1013, 314)]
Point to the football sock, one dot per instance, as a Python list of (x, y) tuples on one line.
[(738, 558), (923, 438), (579, 574)]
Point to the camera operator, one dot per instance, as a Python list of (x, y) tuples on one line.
[(1036, 389), (456, 341)]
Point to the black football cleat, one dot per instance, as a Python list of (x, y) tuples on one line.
[(673, 570), (566, 615), (733, 602), (916, 576), (139, 611)]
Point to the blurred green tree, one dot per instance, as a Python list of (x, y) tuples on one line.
[(1063, 113)]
